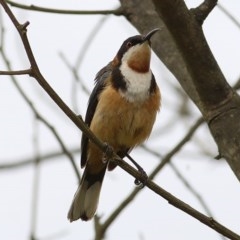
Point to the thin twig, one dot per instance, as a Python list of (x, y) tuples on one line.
[(194, 192), (116, 12), (177, 172), (36, 179), (229, 15), (28, 161), (75, 69), (48, 125), (89, 40), (77, 120), (16, 72), (208, 221), (38, 115), (101, 228)]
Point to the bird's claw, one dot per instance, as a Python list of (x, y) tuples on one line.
[(107, 153), (141, 183)]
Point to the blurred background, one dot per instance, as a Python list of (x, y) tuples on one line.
[(37, 178)]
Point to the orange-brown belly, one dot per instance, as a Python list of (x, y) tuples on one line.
[(122, 123)]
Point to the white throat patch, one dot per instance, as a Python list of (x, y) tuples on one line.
[(137, 84)]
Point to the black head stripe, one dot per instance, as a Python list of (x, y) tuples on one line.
[(117, 79), (153, 85), (128, 43)]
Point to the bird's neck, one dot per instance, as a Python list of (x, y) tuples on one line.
[(137, 84)]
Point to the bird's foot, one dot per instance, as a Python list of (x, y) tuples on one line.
[(144, 177), (108, 152)]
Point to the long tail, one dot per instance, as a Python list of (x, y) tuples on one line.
[(85, 201)]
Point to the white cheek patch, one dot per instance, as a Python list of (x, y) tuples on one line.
[(137, 84)]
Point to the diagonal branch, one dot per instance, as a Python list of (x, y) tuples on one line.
[(37, 114), (208, 221), (101, 228), (35, 72), (41, 118)]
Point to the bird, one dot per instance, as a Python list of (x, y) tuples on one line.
[(121, 111)]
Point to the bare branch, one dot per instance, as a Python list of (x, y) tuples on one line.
[(116, 12), (75, 68), (75, 73), (28, 161), (36, 182), (203, 10), (35, 111), (208, 221), (77, 120), (17, 72), (164, 161), (52, 129), (218, 102), (101, 228), (193, 49)]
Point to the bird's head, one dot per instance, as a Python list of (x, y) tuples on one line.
[(136, 52)]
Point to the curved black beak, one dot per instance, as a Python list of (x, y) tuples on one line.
[(150, 34)]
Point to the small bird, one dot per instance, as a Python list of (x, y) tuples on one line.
[(121, 111)]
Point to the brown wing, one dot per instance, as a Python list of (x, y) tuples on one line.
[(100, 81)]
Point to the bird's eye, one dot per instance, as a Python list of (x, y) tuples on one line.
[(129, 44)]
